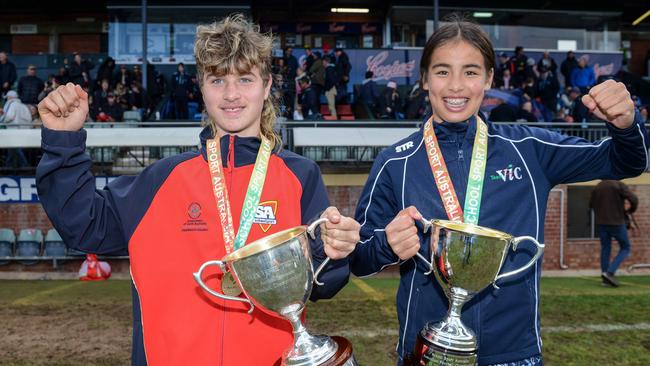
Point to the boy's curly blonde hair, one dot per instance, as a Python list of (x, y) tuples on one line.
[(235, 44)]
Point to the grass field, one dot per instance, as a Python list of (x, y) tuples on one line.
[(77, 323)]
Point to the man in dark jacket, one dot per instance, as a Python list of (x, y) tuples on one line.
[(567, 67), (369, 93), (7, 73), (310, 102), (180, 90), (79, 71), (30, 86), (331, 79), (612, 201)]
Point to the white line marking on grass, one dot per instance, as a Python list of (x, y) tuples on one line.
[(361, 333), (591, 328), (30, 299), (584, 328)]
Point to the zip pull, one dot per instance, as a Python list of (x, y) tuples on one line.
[(231, 152), (460, 154)]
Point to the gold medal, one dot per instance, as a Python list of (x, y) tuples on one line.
[(228, 285)]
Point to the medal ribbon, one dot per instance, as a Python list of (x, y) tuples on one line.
[(253, 193), (443, 180)]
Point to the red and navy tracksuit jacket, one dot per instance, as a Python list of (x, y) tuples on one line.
[(166, 220)]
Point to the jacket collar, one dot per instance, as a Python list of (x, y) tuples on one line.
[(244, 148), (448, 131)]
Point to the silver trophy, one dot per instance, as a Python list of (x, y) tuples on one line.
[(276, 274), (466, 259)]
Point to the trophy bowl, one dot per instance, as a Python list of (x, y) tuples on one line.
[(466, 258), (275, 273)]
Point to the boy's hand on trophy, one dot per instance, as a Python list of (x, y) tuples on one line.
[(402, 234), (340, 235)]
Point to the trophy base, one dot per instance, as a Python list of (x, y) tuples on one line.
[(429, 354), (343, 356)]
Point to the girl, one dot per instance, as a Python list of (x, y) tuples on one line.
[(521, 165)]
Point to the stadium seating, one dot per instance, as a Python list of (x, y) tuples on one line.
[(29, 245), (133, 116), (7, 243), (54, 245)]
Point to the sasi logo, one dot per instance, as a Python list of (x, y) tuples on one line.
[(508, 174), (265, 215)]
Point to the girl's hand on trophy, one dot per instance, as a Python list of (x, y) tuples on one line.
[(402, 234), (340, 235), (65, 108)]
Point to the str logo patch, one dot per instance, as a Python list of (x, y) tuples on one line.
[(194, 223), (265, 215)]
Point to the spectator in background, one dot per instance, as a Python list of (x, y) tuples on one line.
[(8, 74), (62, 77), (567, 67), (390, 102), (123, 76), (612, 201), (331, 79), (547, 63), (505, 83), (583, 76), (643, 111), (579, 112), (528, 88), (15, 114), (501, 68), (525, 113), (105, 71), (547, 89), (30, 86), (317, 74), (309, 59), (100, 96), (111, 109), (79, 71), (417, 102), (343, 68), (291, 62), (194, 94), (136, 98), (369, 93), (518, 64), (310, 99), (180, 90), (50, 85), (503, 112)]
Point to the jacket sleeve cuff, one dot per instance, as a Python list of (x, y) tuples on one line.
[(63, 138)]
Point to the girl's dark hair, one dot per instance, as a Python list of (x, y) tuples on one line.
[(458, 28)]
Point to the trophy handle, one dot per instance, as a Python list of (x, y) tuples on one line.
[(197, 278), (427, 225), (515, 243), (311, 229)]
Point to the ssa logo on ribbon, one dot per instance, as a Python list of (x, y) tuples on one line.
[(265, 215)]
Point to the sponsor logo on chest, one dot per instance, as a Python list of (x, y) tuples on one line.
[(508, 174)]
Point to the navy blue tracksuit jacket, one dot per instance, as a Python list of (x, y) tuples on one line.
[(523, 165)]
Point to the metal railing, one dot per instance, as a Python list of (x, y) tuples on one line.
[(129, 159)]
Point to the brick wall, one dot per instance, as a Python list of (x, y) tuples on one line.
[(578, 253)]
